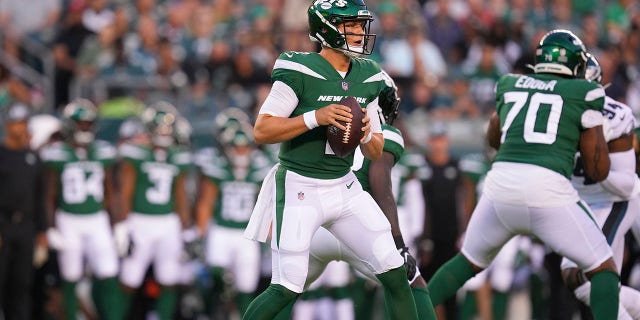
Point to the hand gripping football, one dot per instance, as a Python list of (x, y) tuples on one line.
[(344, 142)]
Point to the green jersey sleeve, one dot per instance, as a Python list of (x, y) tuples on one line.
[(393, 142)]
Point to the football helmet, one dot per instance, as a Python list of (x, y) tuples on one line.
[(561, 52), (80, 118), (231, 118), (160, 121), (593, 71), (325, 16), (388, 101), (237, 137)]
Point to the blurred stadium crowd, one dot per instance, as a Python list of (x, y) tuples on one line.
[(206, 57)]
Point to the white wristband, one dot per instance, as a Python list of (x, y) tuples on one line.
[(310, 119), (368, 138)]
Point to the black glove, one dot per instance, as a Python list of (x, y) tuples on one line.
[(410, 264), (193, 246)]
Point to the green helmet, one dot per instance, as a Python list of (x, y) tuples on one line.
[(326, 15), (80, 117), (561, 52), (160, 120)]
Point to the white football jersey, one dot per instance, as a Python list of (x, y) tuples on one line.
[(618, 121)]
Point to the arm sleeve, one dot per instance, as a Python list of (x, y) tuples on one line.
[(372, 112), (280, 102), (622, 179)]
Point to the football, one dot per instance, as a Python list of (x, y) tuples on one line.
[(344, 142)]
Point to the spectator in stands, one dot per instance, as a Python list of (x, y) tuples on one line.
[(444, 30), (414, 57), (98, 53), (35, 20), (198, 42), (97, 15), (11, 89), (483, 78), (143, 55), (65, 50)]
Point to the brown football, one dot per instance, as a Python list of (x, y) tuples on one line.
[(344, 142)]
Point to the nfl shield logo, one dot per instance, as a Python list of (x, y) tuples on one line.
[(300, 195), (345, 86)]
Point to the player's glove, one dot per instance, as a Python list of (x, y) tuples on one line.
[(122, 238), (193, 245), (410, 264), (55, 239)]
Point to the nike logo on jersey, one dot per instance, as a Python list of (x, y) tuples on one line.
[(349, 185)]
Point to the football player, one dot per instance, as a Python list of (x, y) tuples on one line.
[(230, 178), (312, 187), (375, 177), (615, 201), (78, 200), (541, 121), (154, 205)]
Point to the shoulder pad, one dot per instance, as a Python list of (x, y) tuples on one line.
[(104, 150), (132, 151), (55, 152)]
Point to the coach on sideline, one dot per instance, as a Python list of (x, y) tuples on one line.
[(21, 213)]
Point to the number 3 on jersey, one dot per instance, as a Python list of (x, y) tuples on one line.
[(521, 99), (160, 191)]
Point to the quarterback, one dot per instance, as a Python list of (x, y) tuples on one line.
[(312, 186), (541, 121)]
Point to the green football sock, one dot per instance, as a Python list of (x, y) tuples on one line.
[(213, 301), (69, 299), (605, 295), (286, 312), (423, 304), (363, 294), (469, 307), (107, 298), (166, 303), (449, 278), (499, 304), (125, 299), (269, 303), (397, 294), (242, 301), (536, 292)]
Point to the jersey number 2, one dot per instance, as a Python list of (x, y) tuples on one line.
[(521, 99)]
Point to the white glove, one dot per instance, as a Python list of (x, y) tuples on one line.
[(55, 239), (122, 238)]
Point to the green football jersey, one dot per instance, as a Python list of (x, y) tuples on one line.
[(156, 173), (393, 143), (82, 174), (475, 166), (541, 118), (237, 187), (317, 84)]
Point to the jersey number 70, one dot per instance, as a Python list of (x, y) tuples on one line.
[(521, 99)]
